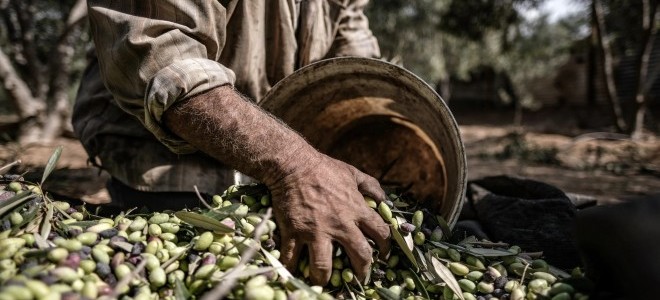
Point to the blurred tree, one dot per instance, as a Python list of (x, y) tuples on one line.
[(443, 39), (408, 34), (627, 28), (40, 43)]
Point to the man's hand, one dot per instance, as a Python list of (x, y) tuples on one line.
[(321, 204), (317, 199)]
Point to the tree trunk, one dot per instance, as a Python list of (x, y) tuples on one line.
[(59, 112), (19, 92), (592, 68), (29, 62), (650, 13), (608, 72), (39, 92)]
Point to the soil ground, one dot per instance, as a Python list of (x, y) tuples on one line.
[(548, 147)]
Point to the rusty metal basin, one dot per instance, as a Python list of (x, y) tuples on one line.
[(382, 119)]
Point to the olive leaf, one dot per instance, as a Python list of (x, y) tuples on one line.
[(46, 226), (84, 224), (386, 294), (35, 270), (203, 222), (468, 240), (123, 245), (285, 274), (419, 285), (488, 252), (400, 204), (41, 242), (222, 212), (424, 267), (445, 274), (52, 161), (28, 216), (302, 286), (350, 291), (446, 231), (279, 267), (14, 201), (246, 273), (558, 272), (180, 290), (405, 243)]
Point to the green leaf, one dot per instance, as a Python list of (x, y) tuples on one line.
[(52, 161), (46, 226), (84, 224), (468, 240), (386, 294), (444, 227), (445, 274), (419, 257), (488, 252), (350, 290), (203, 222), (36, 270), (180, 290), (28, 216), (128, 247), (405, 243), (558, 272), (419, 285), (223, 212), (299, 284), (279, 267), (439, 245), (400, 204), (244, 273), (16, 200), (285, 274), (41, 242)]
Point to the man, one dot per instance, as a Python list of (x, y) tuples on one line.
[(160, 110)]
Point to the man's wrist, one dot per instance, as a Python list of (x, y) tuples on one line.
[(295, 163), (235, 131)]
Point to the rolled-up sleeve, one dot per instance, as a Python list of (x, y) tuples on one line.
[(153, 53)]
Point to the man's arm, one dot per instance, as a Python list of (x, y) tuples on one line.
[(317, 200), (159, 59)]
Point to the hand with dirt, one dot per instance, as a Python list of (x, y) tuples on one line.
[(321, 204), (317, 200)]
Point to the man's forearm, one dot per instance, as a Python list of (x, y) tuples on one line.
[(317, 200), (235, 131)]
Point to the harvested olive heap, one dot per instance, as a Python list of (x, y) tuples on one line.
[(50, 250)]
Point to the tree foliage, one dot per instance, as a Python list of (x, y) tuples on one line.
[(444, 39)]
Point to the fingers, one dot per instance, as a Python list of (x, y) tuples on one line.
[(372, 224), (369, 186), (290, 252), (320, 254), (358, 250)]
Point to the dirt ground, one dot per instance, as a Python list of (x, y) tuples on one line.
[(589, 162)]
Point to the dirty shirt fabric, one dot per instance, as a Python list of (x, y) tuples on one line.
[(152, 54)]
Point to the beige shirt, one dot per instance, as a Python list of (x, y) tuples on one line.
[(153, 53)]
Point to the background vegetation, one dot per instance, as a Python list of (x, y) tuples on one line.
[(449, 43)]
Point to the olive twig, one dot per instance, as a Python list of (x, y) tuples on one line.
[(8, 166), (201, 199)]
